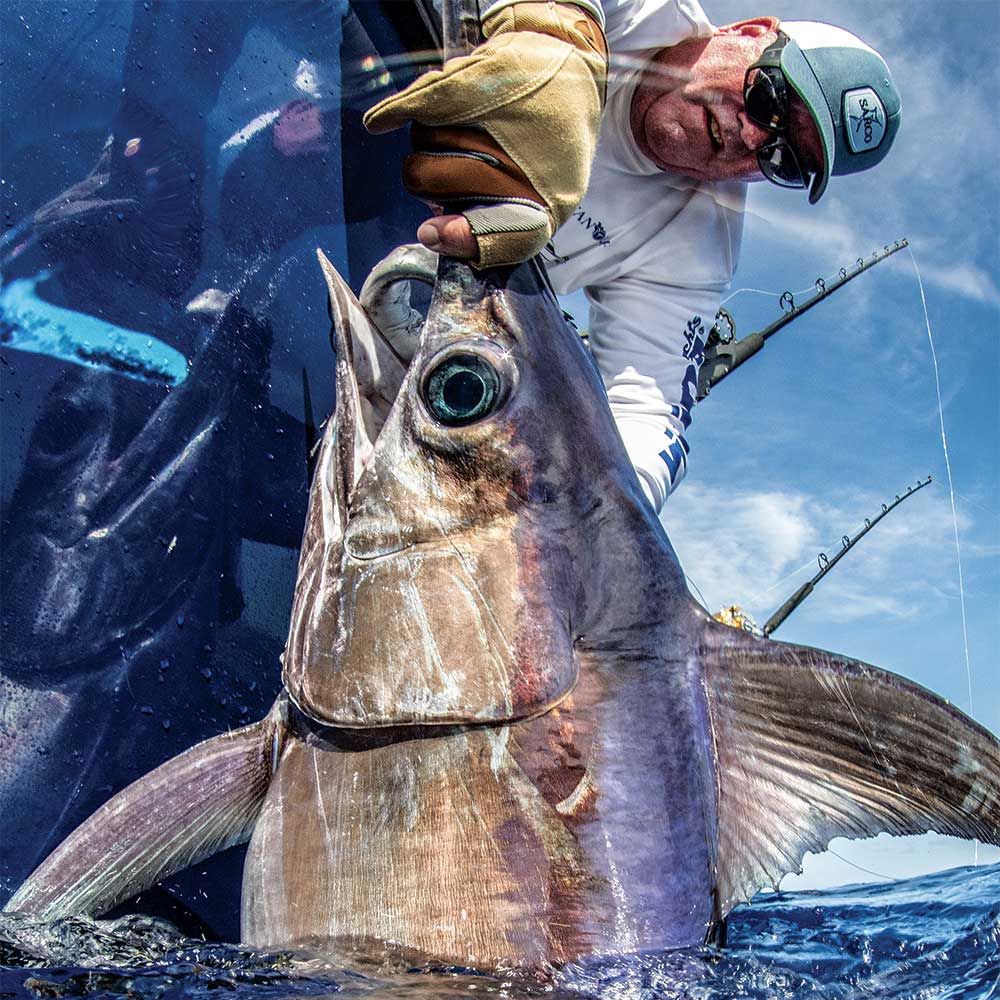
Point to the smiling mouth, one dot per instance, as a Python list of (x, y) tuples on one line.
[(714, 131)]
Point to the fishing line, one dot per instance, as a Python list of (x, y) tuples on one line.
[(761, 291), (860, 868), (788, 576), (947, 462), (974, 503), (951, 493), (951, 485), (698, 593)]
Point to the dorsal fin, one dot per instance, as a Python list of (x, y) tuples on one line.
[(812, 746)]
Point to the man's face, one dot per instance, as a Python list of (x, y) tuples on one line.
[(687, 113)]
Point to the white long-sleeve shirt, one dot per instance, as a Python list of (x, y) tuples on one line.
[(654, 251)]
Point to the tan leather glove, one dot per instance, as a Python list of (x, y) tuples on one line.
[(506, 134)]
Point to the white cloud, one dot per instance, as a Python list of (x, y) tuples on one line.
[(839, 240), (967, 280), (771, 540), (764, 533)]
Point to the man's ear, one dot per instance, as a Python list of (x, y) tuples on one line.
[(752, 28)]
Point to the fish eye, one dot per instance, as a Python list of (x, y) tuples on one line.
[(462, 389)]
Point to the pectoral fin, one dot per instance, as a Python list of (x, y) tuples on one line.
[(812, 746), (198, 803)]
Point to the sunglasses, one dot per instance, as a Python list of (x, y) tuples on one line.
[(765, 99)]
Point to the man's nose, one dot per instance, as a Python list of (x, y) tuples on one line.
[(752, 134)]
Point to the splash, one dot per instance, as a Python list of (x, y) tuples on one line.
[(936, 935)]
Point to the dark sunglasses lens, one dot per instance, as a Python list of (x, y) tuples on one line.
[(765, 98), (780, 165)]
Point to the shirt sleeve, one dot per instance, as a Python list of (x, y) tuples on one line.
[(648, 339)]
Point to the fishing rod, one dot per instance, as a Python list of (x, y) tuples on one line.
[(826, 564), (724, 353)]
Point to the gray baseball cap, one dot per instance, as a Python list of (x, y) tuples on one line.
[(849, 91)]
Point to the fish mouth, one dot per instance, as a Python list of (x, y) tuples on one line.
[(371, 364), (351, 736), (369, 374)]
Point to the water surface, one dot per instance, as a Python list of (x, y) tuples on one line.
[(937, 936)]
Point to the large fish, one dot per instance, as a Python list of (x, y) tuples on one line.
[(508, 735)]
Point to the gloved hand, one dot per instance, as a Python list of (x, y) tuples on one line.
[(506, 134)]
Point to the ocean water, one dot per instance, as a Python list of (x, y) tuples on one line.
[(937, 936)]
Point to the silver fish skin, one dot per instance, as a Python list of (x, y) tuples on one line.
[(508, 736)]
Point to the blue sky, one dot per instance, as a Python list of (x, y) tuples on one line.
[(839, 413)]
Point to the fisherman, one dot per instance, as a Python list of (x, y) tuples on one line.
[(687, 114)]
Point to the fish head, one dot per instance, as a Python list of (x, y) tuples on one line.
[(445, 567)]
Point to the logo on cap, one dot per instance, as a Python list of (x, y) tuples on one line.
[(864, 119)]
